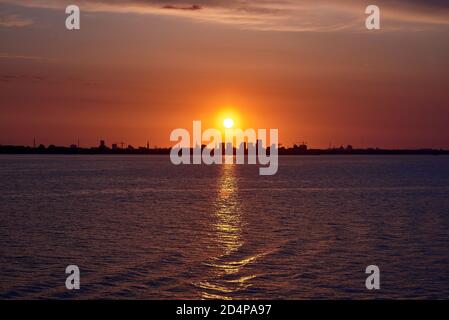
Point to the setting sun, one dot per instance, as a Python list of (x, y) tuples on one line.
[(228, 123)]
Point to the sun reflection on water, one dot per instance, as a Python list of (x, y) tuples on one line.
[(225, 276), (228, 225)]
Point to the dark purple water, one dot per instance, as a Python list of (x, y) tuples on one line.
[(139, 227)]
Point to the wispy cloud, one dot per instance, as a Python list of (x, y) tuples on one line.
[(5, 55), (14, 21), (192, 7), (282, 15)]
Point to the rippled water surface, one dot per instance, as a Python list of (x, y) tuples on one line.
[(139, 227)]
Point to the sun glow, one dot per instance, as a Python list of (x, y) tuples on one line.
[(228, 123)]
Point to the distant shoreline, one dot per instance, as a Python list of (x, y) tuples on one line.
[(55, 150)]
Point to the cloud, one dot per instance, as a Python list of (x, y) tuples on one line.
[(12, 78), (281, 15), (5, 55), (428, 3), (14, 21), (192, 7)]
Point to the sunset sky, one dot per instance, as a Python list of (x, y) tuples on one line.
[(138, 69)]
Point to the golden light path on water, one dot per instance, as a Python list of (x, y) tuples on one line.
[(225, 277)]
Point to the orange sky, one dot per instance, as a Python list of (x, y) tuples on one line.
[(134, 73)]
